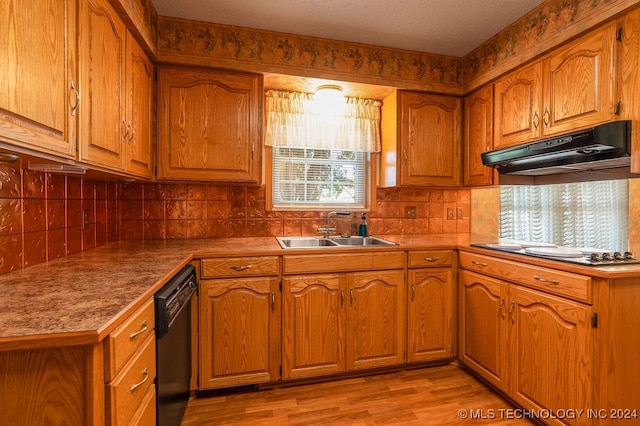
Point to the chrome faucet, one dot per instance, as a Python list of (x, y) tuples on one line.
[(326, 229)]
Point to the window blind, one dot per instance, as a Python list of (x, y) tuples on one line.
[(587, 214), (312, 178)]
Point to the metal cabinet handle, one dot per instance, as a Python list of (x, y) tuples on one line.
[(273, 302), (406, 157), (133, 132), (511, 308), (145, 373), (546, 118), (137, 333), (478, 263), (341, 297), (413, 292), (74, 108), (431, 259), (502, 314), (351, 296), (536, 120), (241, 268), (543, 280), (125, 131)]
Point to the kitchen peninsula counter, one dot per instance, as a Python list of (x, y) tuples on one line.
[(78, 300)]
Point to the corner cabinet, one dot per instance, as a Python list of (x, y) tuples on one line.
[(421, 140), (209, 125), (573, 87), (239, 321), (478, 136), (38, 103)]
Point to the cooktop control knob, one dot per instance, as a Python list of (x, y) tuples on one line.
[(629, 256), (618, 256), (595, 257), (607, 256)]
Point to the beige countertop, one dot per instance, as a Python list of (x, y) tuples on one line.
[(80, 299)]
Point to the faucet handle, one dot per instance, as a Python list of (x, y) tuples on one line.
[(323, 229)]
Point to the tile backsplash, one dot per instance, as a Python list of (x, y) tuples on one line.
[(44, 216)]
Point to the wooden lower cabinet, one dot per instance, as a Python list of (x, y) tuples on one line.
[(334, 323), (537, 348), (239, 331)]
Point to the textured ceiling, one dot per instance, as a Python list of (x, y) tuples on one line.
[(448, 27)]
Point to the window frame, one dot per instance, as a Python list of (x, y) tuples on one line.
[(370, 191)]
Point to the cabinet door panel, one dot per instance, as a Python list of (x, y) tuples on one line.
[(313, 326), (376, 319), (430, 315), (38, 63), (209, 125), (140, 85), (478, 136), (239, 328), (484, 332), (102, 53), (517, 110), (430, 139), (551, 347), (578, 89)]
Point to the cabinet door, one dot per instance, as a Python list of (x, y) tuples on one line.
[(579, 83), (139, 111), (376, 319), (430, 139), (239, 332), (551, 351), (430, 315), (313, 318), (517, 115), (209, 125), (478, 136), (484, 332), (102, 43), (38, 64)]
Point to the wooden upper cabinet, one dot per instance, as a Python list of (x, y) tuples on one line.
[(478, 136), (37, 102), (517, 106), (102, 57), (139, 110), (209, 125), (579, 83), (571, 88), (422, 140)]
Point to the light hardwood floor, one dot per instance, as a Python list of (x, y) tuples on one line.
[(428, 396)]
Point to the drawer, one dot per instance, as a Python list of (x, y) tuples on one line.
[(567, 284), (129, 389), (319, 263), (239, 266), (430, 258), (146, 414), (125, 339)]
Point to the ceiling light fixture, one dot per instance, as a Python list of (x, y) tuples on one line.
[(329, 99)]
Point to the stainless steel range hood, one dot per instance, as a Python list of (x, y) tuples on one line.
[(602, 147)]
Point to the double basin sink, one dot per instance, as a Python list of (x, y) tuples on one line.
[(319, 242)]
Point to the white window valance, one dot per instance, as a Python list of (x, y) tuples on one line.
[(293, 120)]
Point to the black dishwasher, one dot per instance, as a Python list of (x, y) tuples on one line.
[(173, 346)]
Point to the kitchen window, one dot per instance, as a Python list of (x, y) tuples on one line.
[(320, 158), (586, 214)]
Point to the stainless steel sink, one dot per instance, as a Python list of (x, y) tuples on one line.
[(317, 242), (362, 241), (305, 242)]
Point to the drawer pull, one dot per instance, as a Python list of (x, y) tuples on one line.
[(542, 280), (137, 333), (145, 373), (431, 259), (241, 268), (478, 263)]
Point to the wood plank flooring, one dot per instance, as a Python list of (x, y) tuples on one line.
[(428, 396)]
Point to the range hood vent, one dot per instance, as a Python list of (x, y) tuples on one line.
[(602, 147)]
